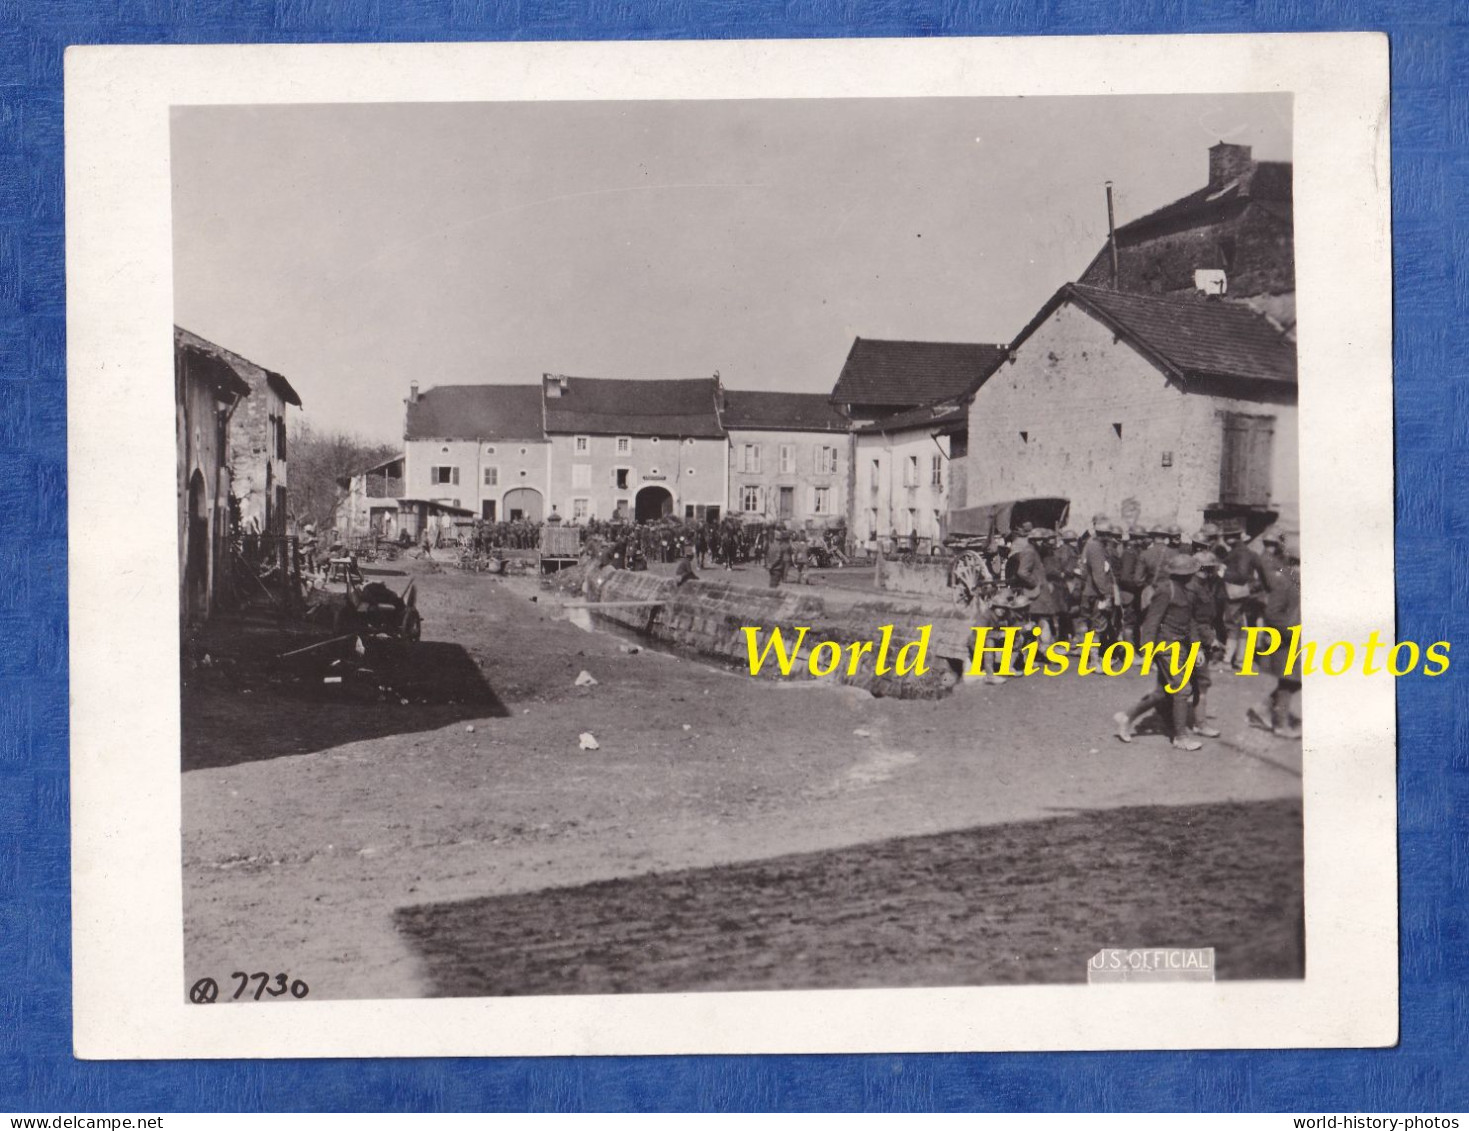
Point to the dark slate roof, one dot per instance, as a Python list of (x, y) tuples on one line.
[(1186, 335), (904, 374), (614, 407), (790, 412), (476, 412), (935, 417), (1268, 182)]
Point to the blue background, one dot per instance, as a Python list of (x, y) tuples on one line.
[(1430, 132)]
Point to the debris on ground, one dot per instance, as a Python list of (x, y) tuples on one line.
[(469, 729), (588, 741), (630, 649), (586, 679), (861, 732)]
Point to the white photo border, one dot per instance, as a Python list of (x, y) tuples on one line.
[(129, 994)]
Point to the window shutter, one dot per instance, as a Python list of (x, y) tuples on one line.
[(456, 477), (1262, 442), (1231, 489)]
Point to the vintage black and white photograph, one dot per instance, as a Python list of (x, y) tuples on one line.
[(746, 547), (513, 436)]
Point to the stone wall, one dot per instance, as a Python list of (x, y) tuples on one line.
[(706, 618), (925, 575)]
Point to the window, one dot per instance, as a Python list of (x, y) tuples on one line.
[(1167, 459), (910, 474), (581, 475), (787, 502), (580, 509), (441, 475), (489, 449), (583, 445), (750, 458), (492, 477), (750, 500), (620, 510), (872, 522), (936, 471), (821, 500), (910, 521), (876, 476), (826, 461), (487, 510), (787, 458), (620, 476), (624, 445), (690, 441), (652, 439), (280, 438)]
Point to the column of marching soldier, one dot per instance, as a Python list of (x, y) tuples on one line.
[(1152, 584)]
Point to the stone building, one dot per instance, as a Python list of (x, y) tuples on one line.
[(910, 474), (578, 447), (635, 449), (476, 448), (1234, 237), (208, 391), (789, 456), (370, 502), (258, 454), (906, 401), (1164, 408)]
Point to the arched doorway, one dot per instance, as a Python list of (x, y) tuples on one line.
[(523, 504), (652, 504), (196, 549)]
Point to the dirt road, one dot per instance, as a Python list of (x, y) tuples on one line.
[(311, 824)]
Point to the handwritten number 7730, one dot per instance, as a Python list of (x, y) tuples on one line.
[(297, 989)]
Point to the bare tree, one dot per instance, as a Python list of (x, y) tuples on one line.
[(319, 459)]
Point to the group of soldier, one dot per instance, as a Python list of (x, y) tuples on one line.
[(1154, 584), (725, 544)]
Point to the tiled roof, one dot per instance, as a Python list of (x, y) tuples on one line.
[(244, 369), (794, 412), (614, 407), (904, 374), (1189, 335), (476, 412), (940, 417)]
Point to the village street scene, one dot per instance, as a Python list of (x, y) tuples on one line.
[(467, 696)]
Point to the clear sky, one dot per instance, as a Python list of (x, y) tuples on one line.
[(356, 248)]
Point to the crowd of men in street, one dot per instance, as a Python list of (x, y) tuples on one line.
[(1155, 585), (725, 544)]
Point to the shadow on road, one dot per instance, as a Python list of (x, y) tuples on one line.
[(247, 705), (1028, 902)]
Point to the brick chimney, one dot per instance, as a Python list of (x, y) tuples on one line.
[(413, 393), (1227, 163)]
